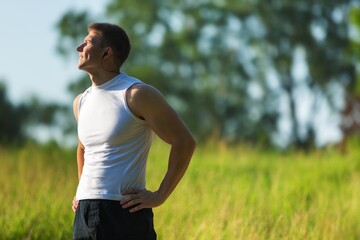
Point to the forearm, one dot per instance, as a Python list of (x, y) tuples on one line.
[(80, 160), (80, 165), (179, 159)]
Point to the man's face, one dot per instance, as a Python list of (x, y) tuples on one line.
[(90, 52)]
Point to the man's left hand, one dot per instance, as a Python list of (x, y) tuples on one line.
[(139, 199)]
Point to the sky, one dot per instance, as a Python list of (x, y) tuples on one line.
[(29, 64)]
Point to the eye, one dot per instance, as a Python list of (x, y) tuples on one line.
[(86, 42)]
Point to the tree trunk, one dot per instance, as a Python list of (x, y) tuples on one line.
[(296, 139)]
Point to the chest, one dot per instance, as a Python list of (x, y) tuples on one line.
[(104, 119)]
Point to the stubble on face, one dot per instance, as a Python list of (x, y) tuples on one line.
[(90, 52)]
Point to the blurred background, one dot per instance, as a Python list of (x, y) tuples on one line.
[(280, 73)]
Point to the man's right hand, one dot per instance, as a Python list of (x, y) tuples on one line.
[(75, 204)]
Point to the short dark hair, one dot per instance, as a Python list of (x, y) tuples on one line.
[(115, 37)]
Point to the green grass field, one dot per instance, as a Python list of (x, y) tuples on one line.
[(228, 193)]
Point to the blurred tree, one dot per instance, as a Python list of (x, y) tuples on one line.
[(306, 47), (179, 48), (11, 120), (15, 120), (226, 65), (355, 46), (350, 115), (314, 34)]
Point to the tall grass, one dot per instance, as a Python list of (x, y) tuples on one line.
[(37, 186), (228, 193)]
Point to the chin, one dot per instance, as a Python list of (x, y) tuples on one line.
[(80, 66)]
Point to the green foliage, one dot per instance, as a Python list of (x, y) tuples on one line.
[(320, 32), (213, 59), (355, 45), (15, 119), (239, 192), (12, 119)]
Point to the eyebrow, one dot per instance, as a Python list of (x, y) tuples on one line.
[(91, 39), (88, 39)]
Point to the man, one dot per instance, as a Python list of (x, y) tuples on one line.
[(117, 117)]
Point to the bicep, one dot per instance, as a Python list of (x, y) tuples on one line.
[(166, 123), (159, 115)]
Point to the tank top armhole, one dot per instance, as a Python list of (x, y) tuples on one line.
[(81, 99), (127, 106)]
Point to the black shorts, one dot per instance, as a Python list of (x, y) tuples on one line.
[(107, 220)]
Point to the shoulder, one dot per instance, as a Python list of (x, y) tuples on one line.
[(144, 99), (76, 105), (76, 100), (143, 93), (140, 91)]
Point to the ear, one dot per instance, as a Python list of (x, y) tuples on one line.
[(107, 52)]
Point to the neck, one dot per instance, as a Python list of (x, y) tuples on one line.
[(100, 78)]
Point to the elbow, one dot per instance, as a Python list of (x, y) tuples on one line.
[(184, 142), (191, 143)]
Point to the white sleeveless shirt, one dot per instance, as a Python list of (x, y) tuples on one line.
[(116, 142)]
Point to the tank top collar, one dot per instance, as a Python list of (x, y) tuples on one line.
[(107, 84)]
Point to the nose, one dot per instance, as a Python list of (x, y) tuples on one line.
[(80, 47)]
